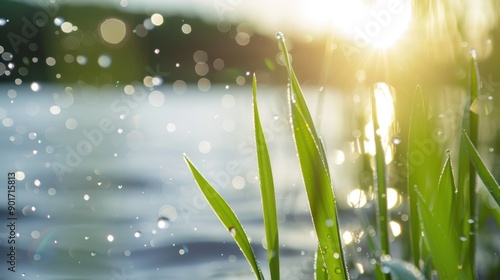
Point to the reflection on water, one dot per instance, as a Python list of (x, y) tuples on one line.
[(103, 191)]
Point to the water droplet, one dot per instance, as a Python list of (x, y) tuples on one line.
[(396, 140), (163, 222), (385, 257), (338, 270), (232, 230), (111, 238), (386, 270), (336, 255), (157, 51), (463, 238), (137, 234), (329, 223), (470, 221), (93, 253), (280, 36)]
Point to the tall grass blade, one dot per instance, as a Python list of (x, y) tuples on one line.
[(227, 217), (320, 272), (441, 233), (382, 211), (481, 169), (382, 215), (444, 201), (402, 270), (316, 177), (267, 191), (475, 85), (416, 133)]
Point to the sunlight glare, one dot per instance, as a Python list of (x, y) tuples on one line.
[(386, 118), (378, 23)]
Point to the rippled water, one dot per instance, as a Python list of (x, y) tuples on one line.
[(103, 191)]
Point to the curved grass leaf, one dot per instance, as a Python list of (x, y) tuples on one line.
[(481, 169), (402, 270), (227, 217), (267, 191), (316, 177)]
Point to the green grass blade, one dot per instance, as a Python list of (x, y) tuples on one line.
[(402, 270), (444, 201), (444, 253), (267, 191), (481, 169), (441, 228), (382, 215), (227, 217), (320, 272), (475, 84), (316, 177), (416, 133)]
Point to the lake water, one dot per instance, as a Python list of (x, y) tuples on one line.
[(103, 192)]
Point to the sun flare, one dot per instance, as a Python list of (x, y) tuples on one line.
[(376, 23)]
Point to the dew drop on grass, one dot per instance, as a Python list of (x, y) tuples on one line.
[(463, 238), (232, 230), (470, 221), (338, 270), (386, 270), (280, 36), (163, 222), (396, 140)]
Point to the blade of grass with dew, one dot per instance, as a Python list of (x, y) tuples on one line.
[(320, 272), (403, 270), (316, 177), (441, 233), (489, 181), (267, 191), (227, 217), (416, 134), (444, 201), (382, 211), (382, 215), (475, 84)]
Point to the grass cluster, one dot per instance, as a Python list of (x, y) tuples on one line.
[(443, 206)]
